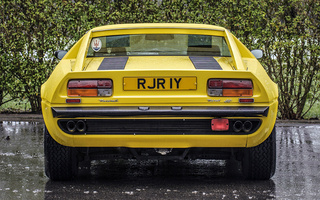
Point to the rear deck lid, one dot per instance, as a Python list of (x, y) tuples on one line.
[(158, 63)]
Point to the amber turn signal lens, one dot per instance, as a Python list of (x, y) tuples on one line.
[(237, 93), (82, 92)]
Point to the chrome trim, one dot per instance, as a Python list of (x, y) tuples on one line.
[(113, 29), (187, 111)]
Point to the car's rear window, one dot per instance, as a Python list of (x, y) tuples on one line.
[(158, 45)]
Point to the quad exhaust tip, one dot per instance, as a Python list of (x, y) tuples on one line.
[(239, 126), (247, 126), (71, 126), (79, 126)]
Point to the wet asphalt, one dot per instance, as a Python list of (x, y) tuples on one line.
[(22, 171)]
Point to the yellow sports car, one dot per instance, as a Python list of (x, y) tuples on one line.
[(159, 91)]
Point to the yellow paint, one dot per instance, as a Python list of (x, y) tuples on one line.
[(159, 63), (241, 65)]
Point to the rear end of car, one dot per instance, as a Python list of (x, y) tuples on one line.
[(159, 91)]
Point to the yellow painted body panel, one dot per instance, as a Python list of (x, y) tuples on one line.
[(157, 63), (159, 141), (241, 65)]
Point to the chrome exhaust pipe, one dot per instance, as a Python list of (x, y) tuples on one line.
[(247, 126), (237, 126), (71, 126), (81, 126)]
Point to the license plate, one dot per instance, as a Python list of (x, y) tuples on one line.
[(160, 83)]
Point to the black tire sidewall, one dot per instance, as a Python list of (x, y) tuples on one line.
[(60, 161), (259, 162)]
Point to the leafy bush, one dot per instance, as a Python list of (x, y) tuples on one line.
[(291, 41), (288, 32)]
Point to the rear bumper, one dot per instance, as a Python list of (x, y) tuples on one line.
[(167, 126), (190, 111), (182, 115)]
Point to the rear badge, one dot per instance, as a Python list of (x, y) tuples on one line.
[(108, 101), (219, 100), (96, 44)]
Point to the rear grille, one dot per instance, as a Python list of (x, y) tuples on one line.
[(153, 127), (204, 62), (113, 63)]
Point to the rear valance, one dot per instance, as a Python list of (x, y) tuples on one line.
[(201, 111)]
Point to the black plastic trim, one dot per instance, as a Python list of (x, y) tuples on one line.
[(155, 127), (241, 111), (205, 62), (117, 63)]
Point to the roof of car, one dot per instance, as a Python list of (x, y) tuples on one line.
[(158, 25)]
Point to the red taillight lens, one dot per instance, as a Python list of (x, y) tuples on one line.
[(82, 84), (229, 84), (215, 83), (237, 84), (104, 84), (90, 88), (230, 87)]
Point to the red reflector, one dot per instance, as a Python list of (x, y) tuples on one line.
[(219, 124), (246, 100), (73, 100)]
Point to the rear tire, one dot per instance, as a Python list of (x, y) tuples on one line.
[(259, 163), (60, 161)]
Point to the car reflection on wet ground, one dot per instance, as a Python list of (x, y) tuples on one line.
[(22, 171)]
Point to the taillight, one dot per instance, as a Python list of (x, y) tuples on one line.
[(230, 88), (90, 88)]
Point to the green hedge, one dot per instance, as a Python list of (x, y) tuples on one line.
[(288, 32)]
